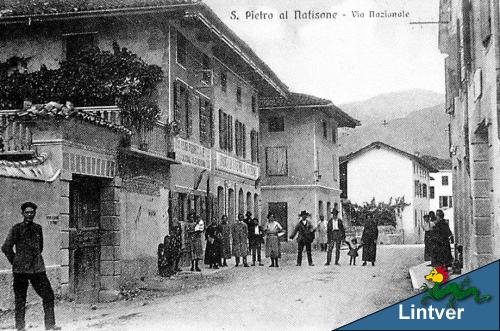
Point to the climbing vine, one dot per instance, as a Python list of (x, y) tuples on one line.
[(91, 78), (384, 213)]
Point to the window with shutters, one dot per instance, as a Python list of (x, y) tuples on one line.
[(254, 146), (238, 94), (424, 190), (223, 81), (485, 20), (230, 133), (182, 108), (240, 137), (444, 180), (276, 161), (206, 123), (325, 129), (181, 49), (222, 130), (431, 192), (334, 134)]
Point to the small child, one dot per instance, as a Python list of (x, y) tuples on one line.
[(353, 250)]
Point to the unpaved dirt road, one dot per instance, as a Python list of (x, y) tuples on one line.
[(259, 298)]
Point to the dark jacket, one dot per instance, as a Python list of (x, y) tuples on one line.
[(331, 236), (255, 239), (306, 232), (28, 239)]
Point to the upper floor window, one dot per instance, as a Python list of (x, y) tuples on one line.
[(424, 191), (181, 49), (182, 109), (238, 94), (334, 135), (431, 192), (206, 122), (206, 77), (254, 145), (276, 124), (254, 103), (225, 131), (325, 130), (223, 81), (444, 180), (75, 43), (240, 137), (445, 202)]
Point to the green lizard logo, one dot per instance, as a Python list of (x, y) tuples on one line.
[(457, 292)]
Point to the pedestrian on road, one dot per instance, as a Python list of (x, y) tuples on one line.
[(273, 246), (321, 235), (427, 227), (353, 250), (170, 252), (239, 232), (255, 240), (305, 237), (195, 228), (28, 266), (441, 242), (213, 236), (226, 241), (335, 235), (369, 241)]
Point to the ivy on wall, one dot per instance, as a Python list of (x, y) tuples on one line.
[(383, 213), (91, 78)]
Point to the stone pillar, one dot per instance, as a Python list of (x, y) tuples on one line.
[(482, 244), (64, 226), (110, 270)]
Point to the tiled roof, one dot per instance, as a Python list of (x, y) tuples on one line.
[(66, 111), (38, 169), (298, 100), (13, 8), (293, 100), (378, 144)]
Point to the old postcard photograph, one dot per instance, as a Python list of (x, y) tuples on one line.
[(249, 164)]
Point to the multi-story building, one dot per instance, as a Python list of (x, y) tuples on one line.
[(299, 156), (381, 172), (469, 36), (106, 194), (441, 194)]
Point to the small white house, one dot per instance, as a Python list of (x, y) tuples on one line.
[(441, 194), (381, 171)]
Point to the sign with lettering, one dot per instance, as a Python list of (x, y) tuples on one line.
[(142, 185), (192, 154), (237, 167)]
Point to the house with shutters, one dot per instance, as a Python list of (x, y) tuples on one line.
[(382, 172), (111, 167), (441, 194), (299, 156), (468, 36)]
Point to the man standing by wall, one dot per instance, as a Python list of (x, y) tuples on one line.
[(28, 266), (335, 234), (305, 237)]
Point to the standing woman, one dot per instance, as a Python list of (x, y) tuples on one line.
[(212, 251), (195, 228), (442, 248), (427, 227), (369, 241), (225, 246), (273, 247)]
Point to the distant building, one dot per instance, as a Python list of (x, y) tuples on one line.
[(299, 156), (383, 172), (441, 194), (468, 35)]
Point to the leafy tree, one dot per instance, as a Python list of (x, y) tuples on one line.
[(384, 213)]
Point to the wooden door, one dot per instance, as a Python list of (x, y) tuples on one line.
[(280, 211), (85, 214)]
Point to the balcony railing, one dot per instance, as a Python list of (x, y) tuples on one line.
[(152, 140), (15, 137)]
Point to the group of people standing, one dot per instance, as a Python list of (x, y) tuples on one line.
[(244, 237), (437, 239), (331, 235)]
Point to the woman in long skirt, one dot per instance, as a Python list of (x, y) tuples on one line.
[(273, 247), (369, 241), (441, 242), (195, 228), (170, 251), (212, 251), (225, 246)]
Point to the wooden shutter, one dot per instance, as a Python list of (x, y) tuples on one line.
[(190, 104), (230, 133), (222, 129), (244, 141), (211, 124)]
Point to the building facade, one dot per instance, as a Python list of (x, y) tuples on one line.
[(299, 156), (382, 172), (469, 36), (107, 194), (441, 194)]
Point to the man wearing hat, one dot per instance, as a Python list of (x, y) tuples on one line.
[(28, 266), (335, 233), (305, 237)]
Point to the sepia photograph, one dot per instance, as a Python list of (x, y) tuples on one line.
[(249, 164)]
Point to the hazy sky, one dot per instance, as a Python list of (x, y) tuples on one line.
[(343, 59)]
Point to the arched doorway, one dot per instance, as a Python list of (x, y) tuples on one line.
[(256, 206), (250, 204), (220, 202), (230, 205)]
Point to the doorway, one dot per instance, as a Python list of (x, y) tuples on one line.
[(84, 237)]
